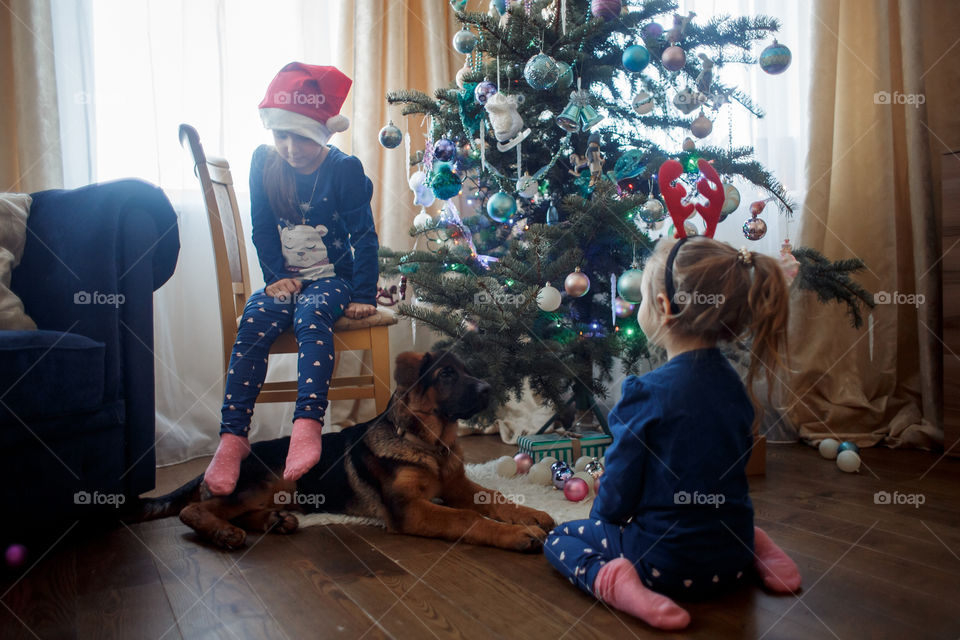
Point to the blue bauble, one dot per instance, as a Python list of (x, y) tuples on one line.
[(848, 446), (501, 206), (483, 91), (560, 477), (775, 58), (464, 41), (541, 71), (443, 181), (635, 58), (629, 165), (501, 6), (444, 150)]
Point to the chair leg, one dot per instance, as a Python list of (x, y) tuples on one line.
[(380, 364)]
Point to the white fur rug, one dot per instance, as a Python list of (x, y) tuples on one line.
[(519, 489)]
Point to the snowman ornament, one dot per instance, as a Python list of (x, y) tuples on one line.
[(506, 121)]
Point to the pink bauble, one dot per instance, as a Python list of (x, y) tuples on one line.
[(16, 555), (575, 490), (607, 9), (524, 462), (673, 58)]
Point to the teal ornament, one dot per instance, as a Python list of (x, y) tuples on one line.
[(553, 216), (629, 285), (848, 446), (775, 58), (443, 181), (541, 71), (635, 58), (501, 206), (391, 136), (464, 41), (407, 267), (501, 6), (458, 5), (566, 76), (629, 165)]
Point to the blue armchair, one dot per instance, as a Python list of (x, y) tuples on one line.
[(77, 396)]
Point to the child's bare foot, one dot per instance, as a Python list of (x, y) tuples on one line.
[(221, 475), (618, 585), (779, 572), (305, 448)]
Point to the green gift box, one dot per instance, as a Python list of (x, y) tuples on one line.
[(565, 446)]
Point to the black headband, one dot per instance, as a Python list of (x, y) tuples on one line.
[(668, 274)]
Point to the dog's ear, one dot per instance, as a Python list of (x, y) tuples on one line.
[(410, 367)]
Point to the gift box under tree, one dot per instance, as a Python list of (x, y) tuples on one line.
[(565, 446)]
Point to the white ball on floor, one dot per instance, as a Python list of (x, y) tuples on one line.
[(540, 474), (848, 461), (828, 448), (586, 477), (581, 463), (506, 467), (547, 460)]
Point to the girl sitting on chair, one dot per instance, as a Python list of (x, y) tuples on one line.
[(310, 205)]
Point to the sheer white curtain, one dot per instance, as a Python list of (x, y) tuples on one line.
[(154, 64)]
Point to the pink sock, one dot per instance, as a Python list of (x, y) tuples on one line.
[(778, 571), (304, 449), (618, 584), (221, 475)]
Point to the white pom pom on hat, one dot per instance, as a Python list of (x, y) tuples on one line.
[(338, 123)]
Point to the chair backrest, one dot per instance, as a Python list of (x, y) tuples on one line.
[(229, 250)]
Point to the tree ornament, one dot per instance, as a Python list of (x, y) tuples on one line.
[(506, 121), (565, 81), (635, 58), (622, 308), (541, 72), (391, 136), (443, 181), (689, 145), (679, 27), (775, 59), (754, 228), (444, 150), (548, 298), (701, 126), (687, 100), (553, 216), (483, 91), (629, 285), (705, 78), (756, 208), (673, 58), (652, 31), (501, 206), (642, 103), (595, 158), (653, 211), (575, 489), (577, 284), (422, 194), (464, 41), (527, 186), (731, 200), (462, 74), (578, 110), (423, 220), (606, 9), (788, 263)]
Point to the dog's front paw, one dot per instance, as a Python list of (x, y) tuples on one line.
[(229, 537), (283, 522), (526, 515), (527, 539)]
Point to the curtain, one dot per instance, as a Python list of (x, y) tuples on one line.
[(29, 124), (880, 121)]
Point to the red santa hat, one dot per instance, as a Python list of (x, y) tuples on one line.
[(306, 99)]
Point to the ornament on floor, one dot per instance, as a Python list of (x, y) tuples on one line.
[(577, 284), (606, 9), (527, 186), (565, 81), (575, 489), (828, 448), (501, 206), (548, 298), (687, 100), (642, 103), (731, 200), (705, 77), (629, 284), (594, 468), (673, 58), (540, 474), (444, 181), (581, 463), (561, 473), (635, 58), (422, 193), (524, 462), (464, 41), (701, 126), (391, 136), (15, 556), (848, 461), (506, 121), (775, 59), (755, 228), (483, 91), (846, 445), (622, 308), (506, 467), (789, 264), (595, 158), (444, 150), (541, 72)]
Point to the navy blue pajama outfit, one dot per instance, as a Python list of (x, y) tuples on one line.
[(332, 249), (674, 498)]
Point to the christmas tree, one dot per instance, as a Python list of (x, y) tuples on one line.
[(554, 131)]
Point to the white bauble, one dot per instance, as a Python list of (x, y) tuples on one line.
[(540, 474), (848, 461), (828, 448), (506, 467), (548, 298)]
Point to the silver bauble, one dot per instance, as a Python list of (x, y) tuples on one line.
[(629, 285)]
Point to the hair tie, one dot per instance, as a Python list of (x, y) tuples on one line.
[(745, 256)]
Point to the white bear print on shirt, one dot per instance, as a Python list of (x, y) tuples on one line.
[(304, 251)]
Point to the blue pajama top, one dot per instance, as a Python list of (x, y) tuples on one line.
[(340, 219), (676, 468)]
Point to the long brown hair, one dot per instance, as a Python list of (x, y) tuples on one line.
[(723, 295), (281, 186)]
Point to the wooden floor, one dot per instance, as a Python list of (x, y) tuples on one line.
[(870, 571)]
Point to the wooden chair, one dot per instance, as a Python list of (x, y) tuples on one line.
[(233, 283)]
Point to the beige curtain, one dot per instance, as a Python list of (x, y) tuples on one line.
[(29, 125), (884, 90)]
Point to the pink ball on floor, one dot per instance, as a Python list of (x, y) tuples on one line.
[(16, 555), (575, 489), (524, 462)]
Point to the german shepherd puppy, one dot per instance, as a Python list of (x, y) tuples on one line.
[(393, 468)]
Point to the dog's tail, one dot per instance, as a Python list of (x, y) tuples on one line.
[(143, 509)]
